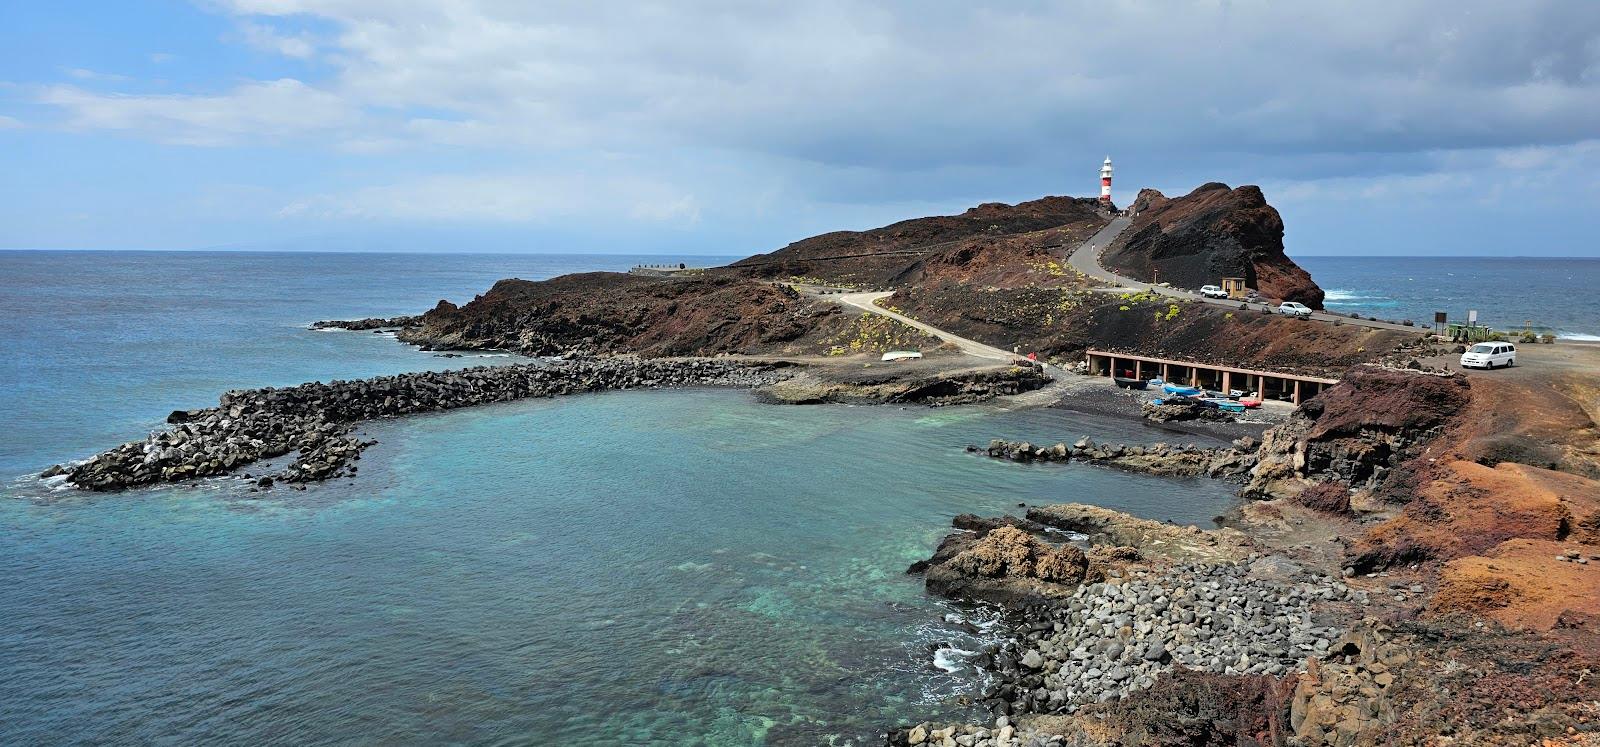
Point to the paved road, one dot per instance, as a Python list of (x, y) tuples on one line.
[(1086, 259), (864, 301)]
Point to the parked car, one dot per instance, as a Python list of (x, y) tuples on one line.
[(1290, 308), (1490, 355), (1212, 291)]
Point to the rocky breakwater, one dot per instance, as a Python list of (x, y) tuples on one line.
[(370, 323), (316, 418), (1234, 461)]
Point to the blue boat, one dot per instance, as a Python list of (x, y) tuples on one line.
[(1225, 405), (1182, 391)]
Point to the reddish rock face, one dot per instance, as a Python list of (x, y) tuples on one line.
[(1206, 235)]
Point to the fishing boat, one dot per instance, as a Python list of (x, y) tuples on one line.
[(901, 355), (1180, 390), (1129, 383), (1224, 404)]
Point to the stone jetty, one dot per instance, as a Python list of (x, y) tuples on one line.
[(1233, 461), (315, 419), (370, 323)]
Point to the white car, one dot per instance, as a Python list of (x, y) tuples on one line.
[(1490, 355), (1212, 291), (1290, 308)]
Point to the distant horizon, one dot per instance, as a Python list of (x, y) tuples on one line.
[(1291, 255)]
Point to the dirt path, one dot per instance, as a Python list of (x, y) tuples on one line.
[(866, 302)]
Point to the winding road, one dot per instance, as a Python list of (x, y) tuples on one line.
[(1086, 259), (866, 302)]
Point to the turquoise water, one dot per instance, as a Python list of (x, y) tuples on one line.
[(1508, 292), (653, 567), (667, 568)]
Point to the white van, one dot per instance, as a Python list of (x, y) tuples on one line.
[(1212, 291), (1490, 355)]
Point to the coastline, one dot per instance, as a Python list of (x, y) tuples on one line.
[(1328, 528)]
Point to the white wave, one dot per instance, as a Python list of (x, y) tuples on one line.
[(1339, 295), (952, 659), (492, 355), (1578, 336)]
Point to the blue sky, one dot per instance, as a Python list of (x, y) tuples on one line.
[(1450, 128)]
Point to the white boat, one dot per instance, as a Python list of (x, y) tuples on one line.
[(900, 355)]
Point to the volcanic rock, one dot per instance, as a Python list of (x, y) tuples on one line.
[(1209, 234)]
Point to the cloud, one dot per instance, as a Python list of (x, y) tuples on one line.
[(908, 87), (10, 123), (839, 113), (506, 198), (85, 74), (298, 46), (256, 111)]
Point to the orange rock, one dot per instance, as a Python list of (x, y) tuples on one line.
[(1521, 583), (1467, 508)]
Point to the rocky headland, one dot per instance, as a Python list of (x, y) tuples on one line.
[(1209, 234), (908, 251), (601, 313)]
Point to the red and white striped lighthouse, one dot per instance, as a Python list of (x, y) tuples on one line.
[(1105, 181)]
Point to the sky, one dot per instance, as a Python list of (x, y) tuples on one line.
[(731, 127)]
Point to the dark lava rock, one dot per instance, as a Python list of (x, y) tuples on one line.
[(1206, 235)]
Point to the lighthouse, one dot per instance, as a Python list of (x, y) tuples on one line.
[(1105, 182)]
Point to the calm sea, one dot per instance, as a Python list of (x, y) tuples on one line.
[(635, 567), (1562, 295)]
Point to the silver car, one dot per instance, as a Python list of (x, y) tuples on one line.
[(1290, 308)]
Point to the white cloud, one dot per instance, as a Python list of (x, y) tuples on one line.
[(10, 123), (86, 74), (913, 86), (262, 110), (506, 198), (298, 46), (837, 104)]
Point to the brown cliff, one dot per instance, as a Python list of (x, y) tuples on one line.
[(884, 256), (1206, 235)]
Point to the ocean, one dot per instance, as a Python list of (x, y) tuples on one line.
[(1509, 293), (682, 567)]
